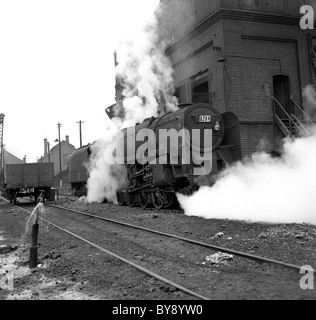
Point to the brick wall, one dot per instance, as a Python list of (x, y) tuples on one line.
[(259, 137), (255, 52)]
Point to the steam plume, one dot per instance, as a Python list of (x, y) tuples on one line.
[(309, 96), (146, 77), (264, 189), (104, 179)]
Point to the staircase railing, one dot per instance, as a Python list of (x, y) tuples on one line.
[(292, 123), (306, 118), (307, 132)]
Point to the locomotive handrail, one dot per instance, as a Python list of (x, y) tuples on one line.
[(159, 119)]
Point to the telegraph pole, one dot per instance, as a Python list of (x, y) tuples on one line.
[(80, 133), (59, 146), (1, 144)]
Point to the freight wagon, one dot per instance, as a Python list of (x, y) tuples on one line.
[(28, 180)]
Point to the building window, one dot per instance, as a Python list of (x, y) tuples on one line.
[(200, 90), (181, 94)]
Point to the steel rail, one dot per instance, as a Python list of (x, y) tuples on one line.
[(136, 266), (213, 247)]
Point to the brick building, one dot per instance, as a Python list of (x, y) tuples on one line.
[(237, 55)]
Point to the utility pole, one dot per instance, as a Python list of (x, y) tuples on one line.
[(80, 133), (1, 145), (59, 146)]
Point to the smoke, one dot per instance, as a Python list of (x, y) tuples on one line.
[(104, 177), (145, 76), (263, 188), (309, 97)]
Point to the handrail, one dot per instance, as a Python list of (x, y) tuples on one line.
[(289, 117), (304, 114), (300, 123), (282, 126)]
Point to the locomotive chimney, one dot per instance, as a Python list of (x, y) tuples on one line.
[(45, 147)]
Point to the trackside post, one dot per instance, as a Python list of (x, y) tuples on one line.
[(34, 236)]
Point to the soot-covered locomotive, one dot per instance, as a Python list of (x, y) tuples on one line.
[(152, 182)]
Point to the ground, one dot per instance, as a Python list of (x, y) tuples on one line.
[(72, 270)]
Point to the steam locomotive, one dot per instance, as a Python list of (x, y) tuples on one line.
[(154, 183)]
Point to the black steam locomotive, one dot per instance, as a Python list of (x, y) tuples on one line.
[(152, 182)]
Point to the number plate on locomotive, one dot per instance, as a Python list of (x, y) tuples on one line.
[(204, 119)]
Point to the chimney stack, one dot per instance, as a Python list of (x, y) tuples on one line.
[(67, 139), (45, 147)]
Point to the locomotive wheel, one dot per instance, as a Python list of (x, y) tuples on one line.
[(143, 199), (120, 198), (169, 199), (131, 201), (132, 181), (157, 199)]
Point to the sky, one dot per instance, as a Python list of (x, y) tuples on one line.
[(57, 66)]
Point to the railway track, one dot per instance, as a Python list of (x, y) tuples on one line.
[(89, 218), (119, 257), (198, 243)]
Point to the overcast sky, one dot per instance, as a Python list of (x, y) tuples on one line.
[(57, 65)]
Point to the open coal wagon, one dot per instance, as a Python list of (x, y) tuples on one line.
[(28, 180)]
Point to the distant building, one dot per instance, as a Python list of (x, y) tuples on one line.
[(52, 155), (9, 158)]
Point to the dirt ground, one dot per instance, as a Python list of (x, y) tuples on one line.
[(71, 270)]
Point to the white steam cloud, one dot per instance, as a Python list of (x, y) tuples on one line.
[(104, 179), (263, 188), (146, 77), (309, 96)]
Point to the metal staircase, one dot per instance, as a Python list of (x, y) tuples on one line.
[(296, 124)]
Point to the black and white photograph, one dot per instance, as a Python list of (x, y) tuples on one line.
[(156, 154)]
